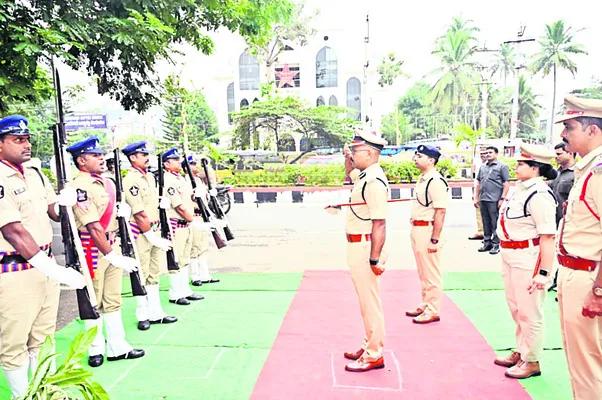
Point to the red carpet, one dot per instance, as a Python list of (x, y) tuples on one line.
[(444, 360)]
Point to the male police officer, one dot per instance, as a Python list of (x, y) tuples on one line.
[(428, 215), (366, 232), (29, 278), (97, 224), (580, 250), (142, 195), (181, 215)]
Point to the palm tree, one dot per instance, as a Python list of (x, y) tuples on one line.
[(528, 108), (504, 62), (556, 46)]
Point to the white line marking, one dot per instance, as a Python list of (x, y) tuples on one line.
[(135, 363), (397, 366), (210, 369)]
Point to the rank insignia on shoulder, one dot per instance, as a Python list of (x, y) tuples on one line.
[(171, 191), (134, 190), (82, 195), (362, 175), (1, 192)]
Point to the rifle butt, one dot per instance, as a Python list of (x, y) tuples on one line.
[(172, 264), (228, 233), (137, 286), (219, 242), (86, 309)]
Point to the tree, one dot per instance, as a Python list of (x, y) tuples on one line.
[(528, 108), (390, 69), (118, 43), (592, 92), (555, 47), (504, 62)]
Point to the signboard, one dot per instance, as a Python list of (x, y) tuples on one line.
[(85, 121)]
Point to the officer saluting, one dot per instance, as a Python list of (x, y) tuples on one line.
[(428, 216), (181, 216), (366, 232), (97, 224), (29, 284), (579, 250), (142, 195)]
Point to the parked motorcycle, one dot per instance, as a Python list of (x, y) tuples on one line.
[(223, 197)]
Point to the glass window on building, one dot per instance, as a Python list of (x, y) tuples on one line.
[(354, 97), (326, 68), (230, 96), (244, 103), (320, 101), (333, 101), (248, 71)]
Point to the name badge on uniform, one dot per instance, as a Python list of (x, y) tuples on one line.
[(20, 190)]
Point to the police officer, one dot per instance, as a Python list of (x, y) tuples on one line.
[(199, 265), (181, 215), (29, 276), (366, 231), (428, 216), (579, 250), (110, 164), (97, 225), (527, 228), (142, 195)]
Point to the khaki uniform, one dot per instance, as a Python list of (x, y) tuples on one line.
[(28, 299), (200, 240), (179, 192), (372, 183), (428, 264), (581, 236), (520, 264)]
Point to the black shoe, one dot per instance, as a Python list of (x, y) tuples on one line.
[(195, 297), (181, 302), (553, 288), (486, 247), (197, 283), (144, 325), (96, 361), (134, 353), (165, 320), (494, 250), (212, 281)]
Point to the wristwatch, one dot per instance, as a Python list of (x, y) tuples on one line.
[(543, 272), (374, 262), (434, 241), (597, 290)]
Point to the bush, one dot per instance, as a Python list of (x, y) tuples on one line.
[(51, 176), (511, 163), (447, 168)]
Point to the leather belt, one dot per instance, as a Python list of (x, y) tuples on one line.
[(16, 262), (580, 264), (356, 238), (422, 223), (518, 244)]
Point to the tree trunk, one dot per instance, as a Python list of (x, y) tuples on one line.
[(552, 113)]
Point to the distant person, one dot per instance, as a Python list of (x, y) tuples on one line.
[(562, 185), (476, 167)]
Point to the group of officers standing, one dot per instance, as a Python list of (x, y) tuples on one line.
[(30, 277), (532, 248)]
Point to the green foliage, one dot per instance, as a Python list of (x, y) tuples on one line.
[(389, 70), (592, 92), (71, 379), (51, 176), (511, 163), (119, 43)]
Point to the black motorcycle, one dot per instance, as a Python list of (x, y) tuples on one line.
[(223, 197)]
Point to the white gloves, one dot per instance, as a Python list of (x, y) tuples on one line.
[(201, 226), (67, 197), (125, 263), (213, 192), (157, 241), (124, 210), (164, 203), (51, 269), (200, 192)]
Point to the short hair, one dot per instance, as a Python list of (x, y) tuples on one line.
[(562, 145), (589, 121), (493, 148)]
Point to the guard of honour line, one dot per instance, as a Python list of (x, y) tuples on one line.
[(147, 225)]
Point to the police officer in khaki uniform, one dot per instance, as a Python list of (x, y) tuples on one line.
[(527, 228), (579, 250), (365, 227), (29, 276), (428, 216), (181, 215), (96, 220), (142, 195)]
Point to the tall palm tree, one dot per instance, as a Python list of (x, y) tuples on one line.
[(556, 46), (528, 108), (504, 62)]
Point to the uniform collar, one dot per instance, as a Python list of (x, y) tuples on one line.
[(531, 182), (429, 174), (585, 161), (143, 172), (8, 169), (91, 176), (374, 166)]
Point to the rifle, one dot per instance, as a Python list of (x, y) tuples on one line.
[(74, 251), (219, 242), (166, 233), (125, 233), (219, 213)]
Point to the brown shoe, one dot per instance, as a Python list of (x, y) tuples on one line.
[(524, 370), (414, 313), (476, 236), (363, 366), (509, 361), (426, 318), (354, 356)]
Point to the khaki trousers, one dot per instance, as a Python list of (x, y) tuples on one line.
[(367, 287), (107, 283), (526, 309), (582, 336), (29, 303), (429, 268), (151, 258), (479, 221), (200, 241), (183, 245)]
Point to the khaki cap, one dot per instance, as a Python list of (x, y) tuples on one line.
[(531, 152), (369, 138), (578, 107)]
